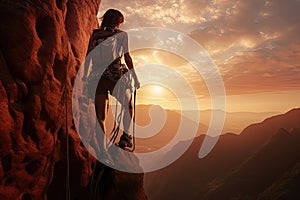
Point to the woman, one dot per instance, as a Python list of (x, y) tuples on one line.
[(111, 21)]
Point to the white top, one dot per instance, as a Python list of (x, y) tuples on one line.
[(106, 52)]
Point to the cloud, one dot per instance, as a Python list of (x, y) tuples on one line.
[(146, 13), (255, 43)]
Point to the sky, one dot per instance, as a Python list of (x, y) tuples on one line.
[(254, 45)]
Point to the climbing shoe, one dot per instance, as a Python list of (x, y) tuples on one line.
[(125, 141)]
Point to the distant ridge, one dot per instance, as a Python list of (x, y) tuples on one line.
[(245, 166)]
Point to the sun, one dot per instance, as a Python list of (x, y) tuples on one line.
[(157, 90)]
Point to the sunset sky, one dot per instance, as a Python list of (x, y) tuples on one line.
[(254, 43)]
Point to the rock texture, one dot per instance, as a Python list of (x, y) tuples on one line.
[(43, 44)]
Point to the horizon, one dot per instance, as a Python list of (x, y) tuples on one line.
[(235, 122), (209, 110)]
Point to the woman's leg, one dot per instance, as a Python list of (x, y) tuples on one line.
[(101, 104), (124, 96), (126, 138), (128, 112)]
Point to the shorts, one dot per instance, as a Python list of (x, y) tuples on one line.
[(121, 92)]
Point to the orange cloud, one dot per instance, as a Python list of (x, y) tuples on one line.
[(255, 43)]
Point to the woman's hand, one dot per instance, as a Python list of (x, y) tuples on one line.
[(137, 84)]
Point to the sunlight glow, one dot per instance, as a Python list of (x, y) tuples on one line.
[(158, 90)]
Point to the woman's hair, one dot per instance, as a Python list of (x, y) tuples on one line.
[(111, 19)]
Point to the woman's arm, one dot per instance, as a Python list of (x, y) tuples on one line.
[(129, 64), (128, 59)]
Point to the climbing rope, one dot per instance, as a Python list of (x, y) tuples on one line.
[(117, 122), (133, 125), (67, 147), (66, 95)]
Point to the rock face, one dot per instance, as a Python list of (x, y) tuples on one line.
[(42, 46)]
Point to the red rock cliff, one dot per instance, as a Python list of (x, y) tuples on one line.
[(42, 46)]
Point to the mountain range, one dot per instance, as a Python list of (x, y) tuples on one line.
[(262, 162)]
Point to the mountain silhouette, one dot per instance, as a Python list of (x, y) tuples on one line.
[(286, 187), (244, 166), (235, 122), (261, 169)]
